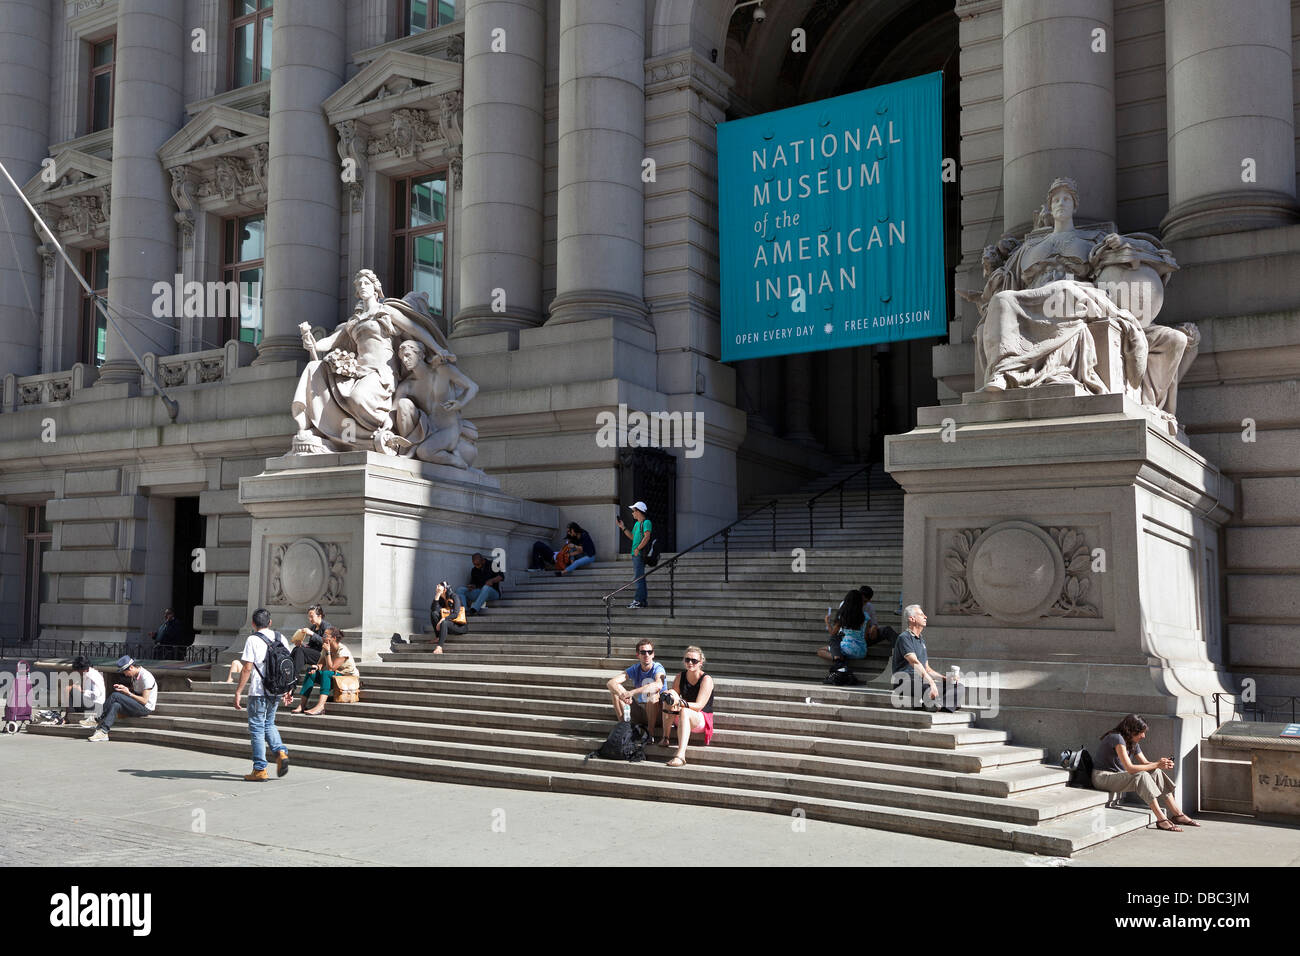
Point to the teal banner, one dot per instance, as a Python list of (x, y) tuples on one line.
[(831, 222)]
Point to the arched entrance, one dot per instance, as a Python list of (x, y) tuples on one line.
[(836, 406)]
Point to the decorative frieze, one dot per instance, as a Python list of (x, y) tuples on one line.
[(31, 391)]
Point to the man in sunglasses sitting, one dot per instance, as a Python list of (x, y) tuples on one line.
[(648, 678)]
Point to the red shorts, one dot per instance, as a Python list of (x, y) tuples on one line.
[(708, 726)]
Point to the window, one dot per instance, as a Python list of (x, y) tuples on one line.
[(250, 42), (419, 237), (243, 262), (36, 586), (421, 15), (101, 84), (94, 327)]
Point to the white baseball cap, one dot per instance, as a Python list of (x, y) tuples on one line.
[(641, 507)]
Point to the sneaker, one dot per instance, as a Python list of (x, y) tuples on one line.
[(635, 604), (257, 776), (99, 735), (282, 763), (88, 722), (472, 610)]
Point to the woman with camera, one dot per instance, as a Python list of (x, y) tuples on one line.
[(689, 705), (1121, 766), (446, 614)]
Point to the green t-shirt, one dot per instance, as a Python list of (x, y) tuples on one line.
[(639, 531)]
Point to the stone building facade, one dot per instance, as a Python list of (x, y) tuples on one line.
[(495, 153)]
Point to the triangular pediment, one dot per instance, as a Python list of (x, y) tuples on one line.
[(73, 170), (215, 130), (393, 80)]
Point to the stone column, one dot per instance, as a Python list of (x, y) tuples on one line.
[(25, 55), (601, 200), (308, 57), (501, 193), (1058, 105), (1231, 116), (148, 108)]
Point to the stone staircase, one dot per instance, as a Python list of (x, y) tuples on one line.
[(880, 526), (519, 701)]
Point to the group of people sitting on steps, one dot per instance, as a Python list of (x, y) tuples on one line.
[(322, 660), (642, 695), (577, 550)]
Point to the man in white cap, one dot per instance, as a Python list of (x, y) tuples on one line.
[(640, 535), (137, 700)]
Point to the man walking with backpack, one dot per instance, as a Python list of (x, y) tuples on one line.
[(268, 673)]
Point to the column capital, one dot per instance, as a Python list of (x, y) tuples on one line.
[(665, 73)]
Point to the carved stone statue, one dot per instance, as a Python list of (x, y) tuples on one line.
[(429, 399), (1049, 299), (350, 398)]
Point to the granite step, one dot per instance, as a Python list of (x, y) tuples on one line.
[(1069, 828)]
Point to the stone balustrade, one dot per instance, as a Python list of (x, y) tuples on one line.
[(196, 368), (28, 391), (173, 371)]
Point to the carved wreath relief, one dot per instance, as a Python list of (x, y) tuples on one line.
[(1018, 572), (306, 572)]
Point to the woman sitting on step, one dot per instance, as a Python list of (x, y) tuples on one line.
[(446, 614), (1121, 767), (847, 628), (335, 661), (688, 706)]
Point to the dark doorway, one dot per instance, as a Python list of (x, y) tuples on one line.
[(187, 584)]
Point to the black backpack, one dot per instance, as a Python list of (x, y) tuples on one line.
[(841, 676), (625, 742), (279, 674), (1079, 763)]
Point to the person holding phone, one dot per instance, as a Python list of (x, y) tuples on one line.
[(640, 535), (1121, 767)]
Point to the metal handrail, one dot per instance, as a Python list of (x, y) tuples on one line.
[(840, 485), (671, 565), (1256, 709)]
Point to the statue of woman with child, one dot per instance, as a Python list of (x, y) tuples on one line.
[(355, 396)]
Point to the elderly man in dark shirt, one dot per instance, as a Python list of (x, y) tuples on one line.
[(914, 678), (484, 585)]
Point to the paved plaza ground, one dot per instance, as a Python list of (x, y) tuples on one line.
[(73, 803)]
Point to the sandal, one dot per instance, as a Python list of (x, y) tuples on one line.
[(677, 762), (1166, 825), (1185, 820)]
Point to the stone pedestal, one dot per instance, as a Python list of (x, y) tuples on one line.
[(1069, 546), (368, 537)]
